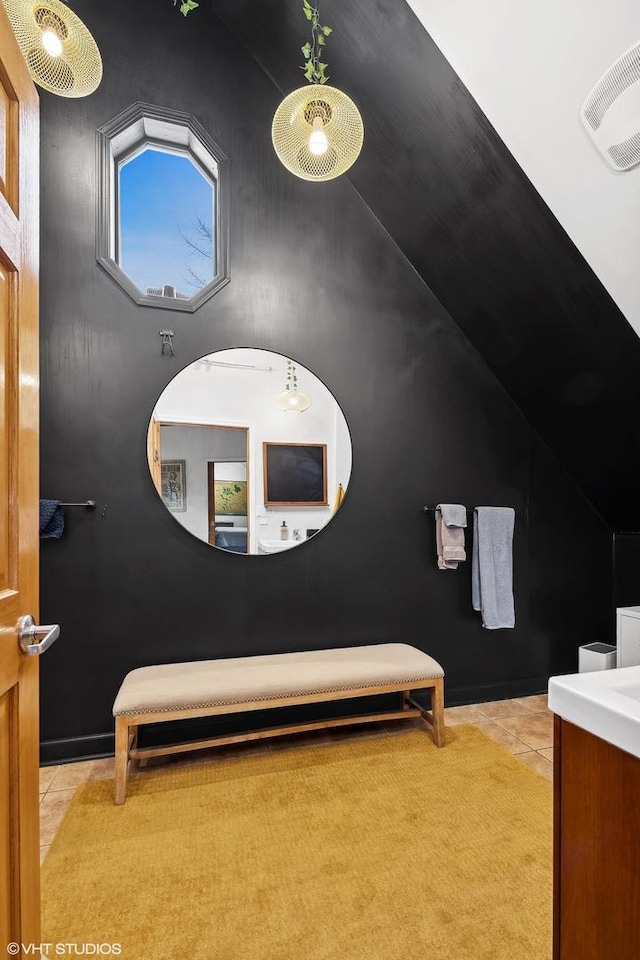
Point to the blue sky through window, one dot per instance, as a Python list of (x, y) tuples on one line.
[(162, 196)]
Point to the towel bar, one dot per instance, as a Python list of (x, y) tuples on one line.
[(89, 504)]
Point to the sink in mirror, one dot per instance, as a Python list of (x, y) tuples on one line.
[(276, 546), (249, 451)]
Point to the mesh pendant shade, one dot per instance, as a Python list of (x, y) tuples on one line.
[(60, 52), (328, 116), (293, 401)]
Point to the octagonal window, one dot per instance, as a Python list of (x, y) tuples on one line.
[(161, 229)]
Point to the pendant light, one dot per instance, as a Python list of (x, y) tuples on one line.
[(60, 52), (292, 400), (317, 130)]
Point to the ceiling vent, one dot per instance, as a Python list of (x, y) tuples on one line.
[(611, 112)]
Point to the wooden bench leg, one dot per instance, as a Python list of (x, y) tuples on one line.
[(133, 744), (435, 717), (122, 759), (437, 712)]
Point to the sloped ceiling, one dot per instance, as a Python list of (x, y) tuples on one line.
[(448, 191), (530, 67)]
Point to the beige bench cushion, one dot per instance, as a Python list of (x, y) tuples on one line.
[(212, 683)]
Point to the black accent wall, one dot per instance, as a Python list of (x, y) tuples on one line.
[(315, 276), (627, 569), (463, 212)]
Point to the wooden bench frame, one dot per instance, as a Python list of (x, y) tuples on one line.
[(127, 724)]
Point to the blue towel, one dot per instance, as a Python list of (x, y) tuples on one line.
[(492, 566), (51, 519)]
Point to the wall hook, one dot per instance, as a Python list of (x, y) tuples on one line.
[(167, 341)]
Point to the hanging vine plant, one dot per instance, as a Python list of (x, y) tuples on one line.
[(315, 69), (186, 6)]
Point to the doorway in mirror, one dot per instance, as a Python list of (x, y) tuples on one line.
[(228, 499)]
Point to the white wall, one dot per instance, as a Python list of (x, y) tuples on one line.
[(227, 396), (529, 66), (196, 446)]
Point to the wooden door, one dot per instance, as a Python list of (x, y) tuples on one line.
[(19, 734), (153, 453), (211, 501)]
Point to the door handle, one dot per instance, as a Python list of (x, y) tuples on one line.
[(33, 639)]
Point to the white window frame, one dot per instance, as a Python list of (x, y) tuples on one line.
[(145, 125)]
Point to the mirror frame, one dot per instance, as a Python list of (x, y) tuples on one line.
[(231, 402)]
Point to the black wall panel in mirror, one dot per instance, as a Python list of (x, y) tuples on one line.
[(295, 474)]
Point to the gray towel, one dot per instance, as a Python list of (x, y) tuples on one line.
[(453, 514), (492, 566)]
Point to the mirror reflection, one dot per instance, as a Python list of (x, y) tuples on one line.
[(249, 451)]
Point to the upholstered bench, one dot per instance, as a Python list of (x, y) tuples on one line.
[(205, 688)]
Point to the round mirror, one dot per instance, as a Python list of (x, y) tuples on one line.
[(249, 451)]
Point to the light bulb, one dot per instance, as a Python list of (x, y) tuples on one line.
[(51, 42), (318, 143), (291, 401)]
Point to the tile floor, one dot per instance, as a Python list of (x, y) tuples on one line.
[(523, 725)]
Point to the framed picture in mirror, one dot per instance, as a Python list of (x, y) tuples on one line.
[(230, 497), (295, 474), (173, 485)]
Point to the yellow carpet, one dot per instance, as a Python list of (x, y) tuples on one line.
[(369, 849)]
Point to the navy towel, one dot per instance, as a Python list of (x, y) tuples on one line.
[(51, 519)]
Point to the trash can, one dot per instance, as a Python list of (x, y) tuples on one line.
[(596, 656)]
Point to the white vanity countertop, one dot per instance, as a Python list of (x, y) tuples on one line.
[(605, 703)]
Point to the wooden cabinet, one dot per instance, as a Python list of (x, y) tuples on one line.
[(596, 848)]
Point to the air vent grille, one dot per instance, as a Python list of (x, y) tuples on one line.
[(616, 80), (627, 153), (616, 132)]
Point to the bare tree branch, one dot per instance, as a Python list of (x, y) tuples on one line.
[(192, 279), (200, 246)]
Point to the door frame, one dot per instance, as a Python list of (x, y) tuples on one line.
[(160, 422)]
